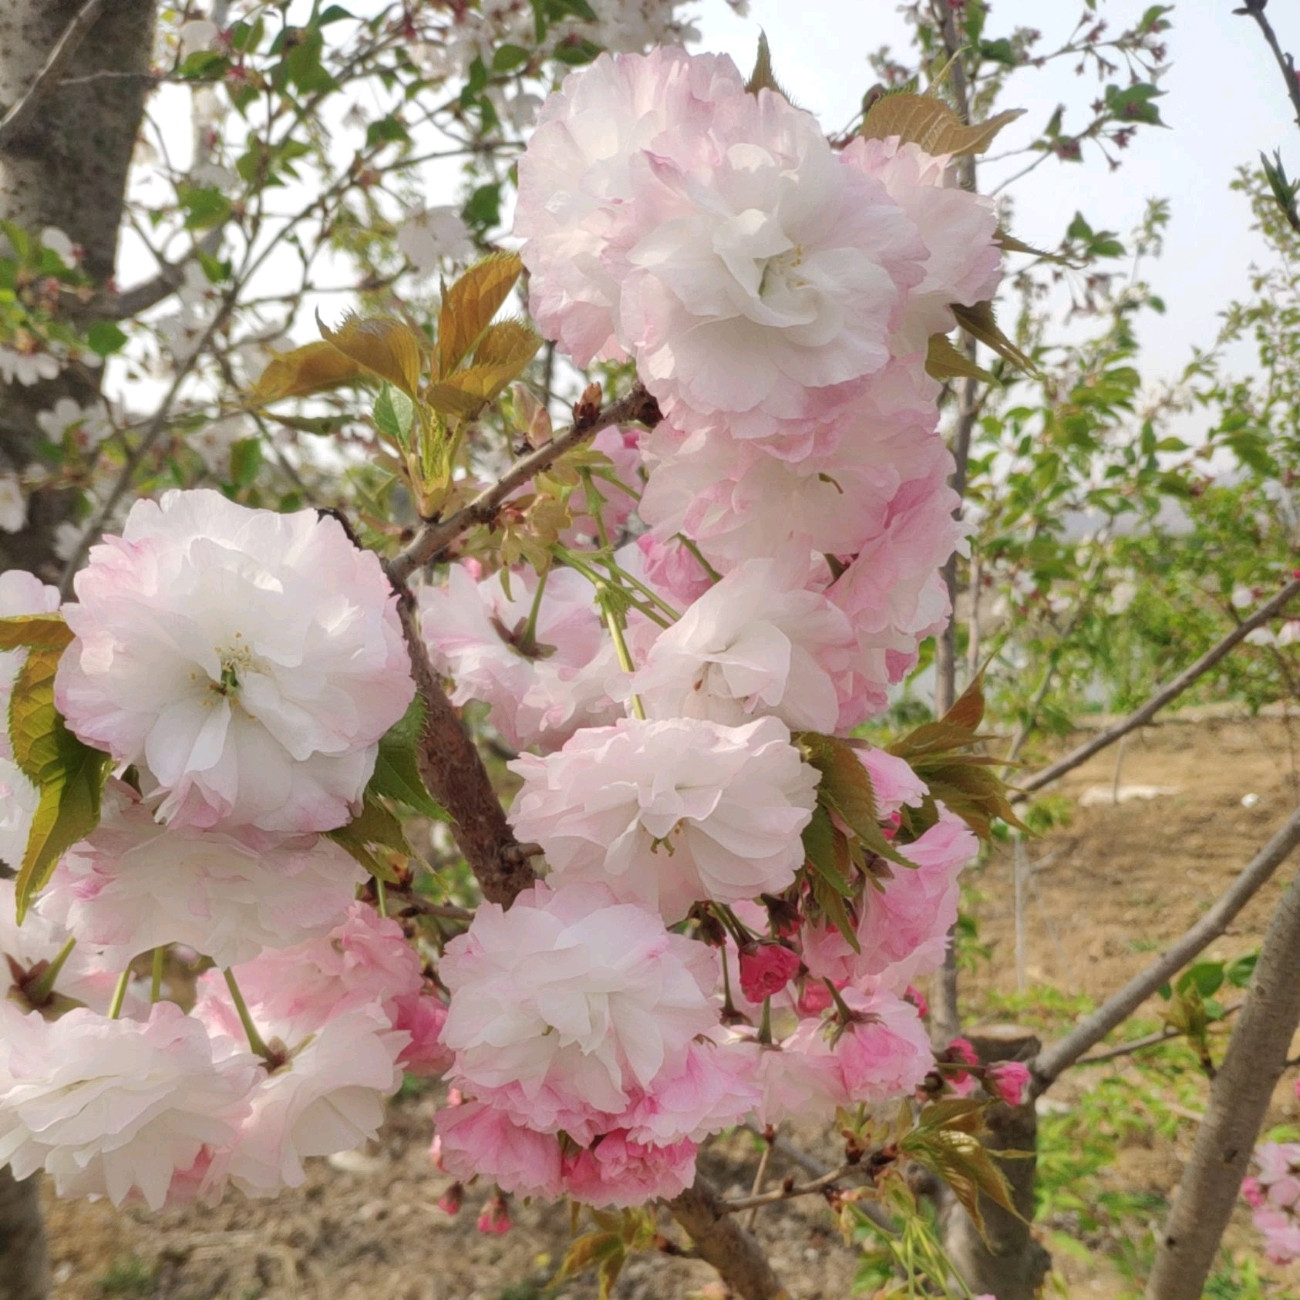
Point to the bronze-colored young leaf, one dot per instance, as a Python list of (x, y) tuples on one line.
[(846, 789), (382, 345), (1008, 243), (943, 361), (763, 78), (468, 391), (45, 630), (469, 305), (509, 344), (978, 322), (311, 369), (591, 1250), (930, 123)]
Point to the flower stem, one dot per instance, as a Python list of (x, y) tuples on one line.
[(615, 625), (119, 994), (255, 1042), (381, 897), (155, 986), (765, 1025), (528, 642)]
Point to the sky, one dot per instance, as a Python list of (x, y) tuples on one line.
[(1226, 101)]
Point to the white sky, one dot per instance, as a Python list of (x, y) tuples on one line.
[(1226, 101)]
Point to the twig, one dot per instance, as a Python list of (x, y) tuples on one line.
[(638, 407), (1255, 9), (169, 277), (787, 1192), (21, 110), (1149, 1040), (759, 1175), (1119, 1006), (1163, 696)]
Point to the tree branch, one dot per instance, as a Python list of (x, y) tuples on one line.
[(454, 773), (1163, 696), (638, 407), (789, 1190), (149, 293), (20, 112), (722, 1242), (1239, 1099), (1147, 1040), (1255, 9), (1117, 1008)]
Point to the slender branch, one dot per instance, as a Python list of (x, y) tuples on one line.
[(638, 407), (1255, 9), (170, 276), (1138, 1044), (1239, 1099), (789, 1190), (722, 1242), (24, 107), (1163, 696), (1117, 1008)]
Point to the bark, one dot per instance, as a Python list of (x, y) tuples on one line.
[(63, 162), (722, 1242), (64, 154), (1239, 1099), (1006, 1261)]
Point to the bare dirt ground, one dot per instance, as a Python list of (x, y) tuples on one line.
[(1106, 892)]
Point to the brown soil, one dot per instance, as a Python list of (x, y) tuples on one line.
[(1106, 891)]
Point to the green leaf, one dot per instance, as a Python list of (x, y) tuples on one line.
[(204, 65), (205, 206), (245, 461), (105, 338), (846, 789), (373, 828), (509, 57), (483, 208), (1133, 103), (394, 416), (387, 130), (69, 774), (397, 772), (944, 361)]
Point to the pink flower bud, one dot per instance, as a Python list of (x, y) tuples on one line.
[(766, 969), (960, 1049), (494, 1218), (914, 995), (452, 1199), (1007, 1081), (1251, 1192)]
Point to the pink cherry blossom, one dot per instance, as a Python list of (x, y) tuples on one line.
[(670, 812), (575, 181), (617, 1172), (540, 689), (476, 1140), (1007, 1080), (767, 970), (759, 642), (250, 660), (133, 885), (569, 1007), (115, 1107), (422, 1016)]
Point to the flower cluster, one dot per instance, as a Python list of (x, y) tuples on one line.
[(780, 569), (242, 699), (722, 599)]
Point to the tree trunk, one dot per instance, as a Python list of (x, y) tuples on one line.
[(1006, 1262), (64, 163), (64, 158), (1239, 1100)]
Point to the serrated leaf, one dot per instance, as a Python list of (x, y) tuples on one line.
[(945, 361), (825, 852), (589, 1251), (931, 124), (846, 789), (47, 631), (383, 345), (469, 305), (979, 323), (68, 774), (397, 772), (508, 344), (374, 827), (394, 415), (832, 907), (468, 391), (763, 78), (310, 369)]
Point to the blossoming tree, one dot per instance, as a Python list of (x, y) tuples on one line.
[(703, 900)]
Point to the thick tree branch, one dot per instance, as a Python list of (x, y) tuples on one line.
[(1163, 696), (1117, 1008), (1239, 1099), (20, 113), (722, 1242), (638, 407), (454, 772)]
